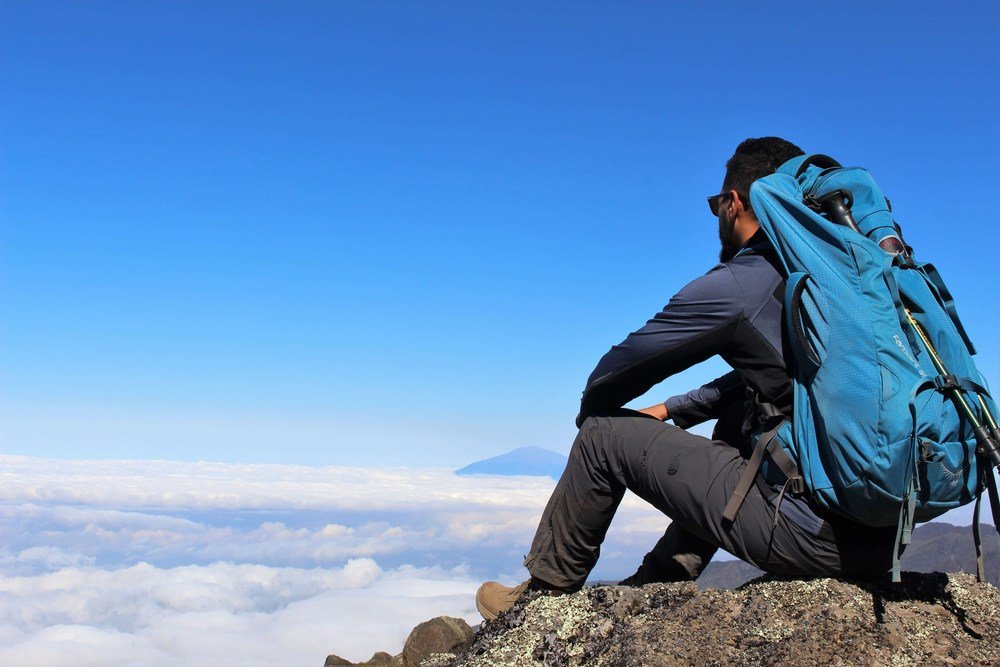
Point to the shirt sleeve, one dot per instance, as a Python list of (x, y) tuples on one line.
[(706, 402), (697, 323)]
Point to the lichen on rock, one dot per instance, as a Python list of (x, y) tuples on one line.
[(927, 619)]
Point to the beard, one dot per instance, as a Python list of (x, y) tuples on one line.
[(727, 237)]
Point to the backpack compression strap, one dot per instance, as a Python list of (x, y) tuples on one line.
[(767, 443)]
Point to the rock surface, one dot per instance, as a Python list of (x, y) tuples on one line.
[(432, 643), (380, 658), (928, 619), (443, 634)]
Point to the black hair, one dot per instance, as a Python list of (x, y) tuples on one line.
[(757, 158)]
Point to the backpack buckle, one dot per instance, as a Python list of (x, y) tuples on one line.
[(796, 485), (945, 383), (904, 260)]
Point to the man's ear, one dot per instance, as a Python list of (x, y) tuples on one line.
[(738, 202), (746, 223), (741, 206), (729, 203)]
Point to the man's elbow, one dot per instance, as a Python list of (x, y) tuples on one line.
[(592, 403)]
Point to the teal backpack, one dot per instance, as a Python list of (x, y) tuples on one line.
[(892, 422)]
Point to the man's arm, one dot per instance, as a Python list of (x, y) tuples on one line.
[(706, 402), (698, 323), (701, 404)]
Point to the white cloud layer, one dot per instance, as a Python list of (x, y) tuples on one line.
[(246, 615), (204, 485), (167, 563)]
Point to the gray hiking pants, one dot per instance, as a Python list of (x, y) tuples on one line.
[(690, 479)]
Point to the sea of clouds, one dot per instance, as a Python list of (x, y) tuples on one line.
[(168, 563)]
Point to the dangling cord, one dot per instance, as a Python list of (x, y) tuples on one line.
[(911, 505), (897, 550), (905, 527), (991, 487), (777, 506), (976, 531)]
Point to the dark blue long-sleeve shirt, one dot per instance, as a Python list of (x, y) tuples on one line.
[(734, 311)]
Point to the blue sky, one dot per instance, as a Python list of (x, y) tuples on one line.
[(371, 233)]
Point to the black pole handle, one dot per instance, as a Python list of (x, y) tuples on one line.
[(989, 448), (837, 206)]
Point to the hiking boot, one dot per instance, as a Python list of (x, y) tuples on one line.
[(492, 599)]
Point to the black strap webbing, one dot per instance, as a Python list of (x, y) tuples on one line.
[(766, 443), (904, 528), (794, 483), (818, 159), (768, 410)]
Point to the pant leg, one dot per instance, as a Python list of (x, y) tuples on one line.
[(680, 555), (568, 541), (688, 477)]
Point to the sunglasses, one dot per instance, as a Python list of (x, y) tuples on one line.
[(715, 201)]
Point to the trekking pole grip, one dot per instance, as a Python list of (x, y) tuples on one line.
[(988, 447), (837, 206)]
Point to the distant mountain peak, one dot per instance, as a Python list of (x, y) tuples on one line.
[(521, 461)]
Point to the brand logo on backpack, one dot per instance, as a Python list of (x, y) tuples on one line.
[(906, 352)]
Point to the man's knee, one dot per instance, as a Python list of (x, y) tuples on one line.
[(591, 436), (616, 437), (613, 420)]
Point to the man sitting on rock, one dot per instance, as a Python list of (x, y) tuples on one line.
[(734, 311)]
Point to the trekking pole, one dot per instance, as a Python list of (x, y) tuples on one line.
[(991, 420), (837, 206), (987, 442)]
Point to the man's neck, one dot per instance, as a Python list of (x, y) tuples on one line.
[(747, 229), (758, 236)]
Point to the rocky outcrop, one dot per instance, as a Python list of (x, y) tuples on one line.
[(928, 619), (433, 642), (381, 658), (932, 619), (441, 635)]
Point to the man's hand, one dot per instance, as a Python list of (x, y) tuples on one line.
[(658, 411)]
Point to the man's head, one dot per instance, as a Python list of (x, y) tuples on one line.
[(753, 159)]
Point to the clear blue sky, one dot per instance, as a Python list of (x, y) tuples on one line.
[(403, 233)]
